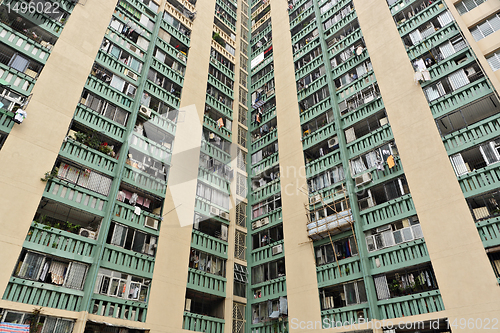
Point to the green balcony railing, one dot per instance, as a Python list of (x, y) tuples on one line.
[(200, 323)]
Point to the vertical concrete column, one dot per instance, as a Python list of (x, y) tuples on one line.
[(468, 291), (168, 289), (33, 146), (301, 281)]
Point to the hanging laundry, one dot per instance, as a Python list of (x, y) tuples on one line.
[(137, 210), (390, 161), (20, 116), (220, 123)]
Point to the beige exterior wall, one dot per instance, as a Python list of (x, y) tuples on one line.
[(33, 146), (300, 265), (468, 291), (168, 289)]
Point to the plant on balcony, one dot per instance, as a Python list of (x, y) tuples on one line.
[(217, 37), (50, 174), (91, 139), (34, 320)]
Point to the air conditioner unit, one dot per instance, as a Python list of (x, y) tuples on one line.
[(151, 223), (132, 314), (213, 60), (214, 211), (277, 249), (111, 311), (264, 221), (145, 111), (363, 179), (187, 307), (87, 233), (131, 74), (383, 121), (256, 224), (224, 215), (333, 142), (315, 199), (384, 228)]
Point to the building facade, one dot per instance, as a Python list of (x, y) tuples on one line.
[(250, 166)]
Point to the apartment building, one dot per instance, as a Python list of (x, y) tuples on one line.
[(160, 159)]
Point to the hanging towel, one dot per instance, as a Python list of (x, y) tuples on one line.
[(137, 210), (390, 161)]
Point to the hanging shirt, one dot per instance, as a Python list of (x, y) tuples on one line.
[(390, 161)]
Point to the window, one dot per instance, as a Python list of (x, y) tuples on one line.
[(326, 179), (207, 263), (238, 317), (406, 282), (343, 295), (243, 47), (241, 214), (212, 195), (267, 237), (272, 309), (266, 206), (85, 178), (39, 267), (45, 324), (241, 185), (344, 248), (101, 106), (486, 28), (396, 233), (243, 96), (243, 78), (243, 62), (241, 159), (116, 284), (242, 136), (467, 5), (240, 247), (242, 115), (494, 60), (131, 239), (268, 271)]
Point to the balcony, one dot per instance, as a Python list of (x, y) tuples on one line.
[(60, 243), (213, 179), (221, 107), (206, 282), (265, 140), (435, 39), (489, 231), (303, 16), (343, 271), (87, 156), (460, 97), (370, 141), (341, 24), (118, 308), (124, 213), (310, 66), (389, 211), (323, 163), (170, 73), (266, 117), (423, 16), (99, 123), (200, 323), (223, 69), (213, 126), (220, 86), (339, 46), (398, 256), (349, 64), (162, 94), (363, 111), (209, 244), (304, 32), (265, 253), (145, 181), (266, 163), (304, 50), (356, 86), (6, 120), (130, 262), (336, 7), (323, 133), (316, 110), (421, 303), (43, 294), (215, 152), (98, 87), (263, 80), (76, 196), (175, 33), (312, 88), (471, 135), (348, 314), (267, 190), (269, 290)]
